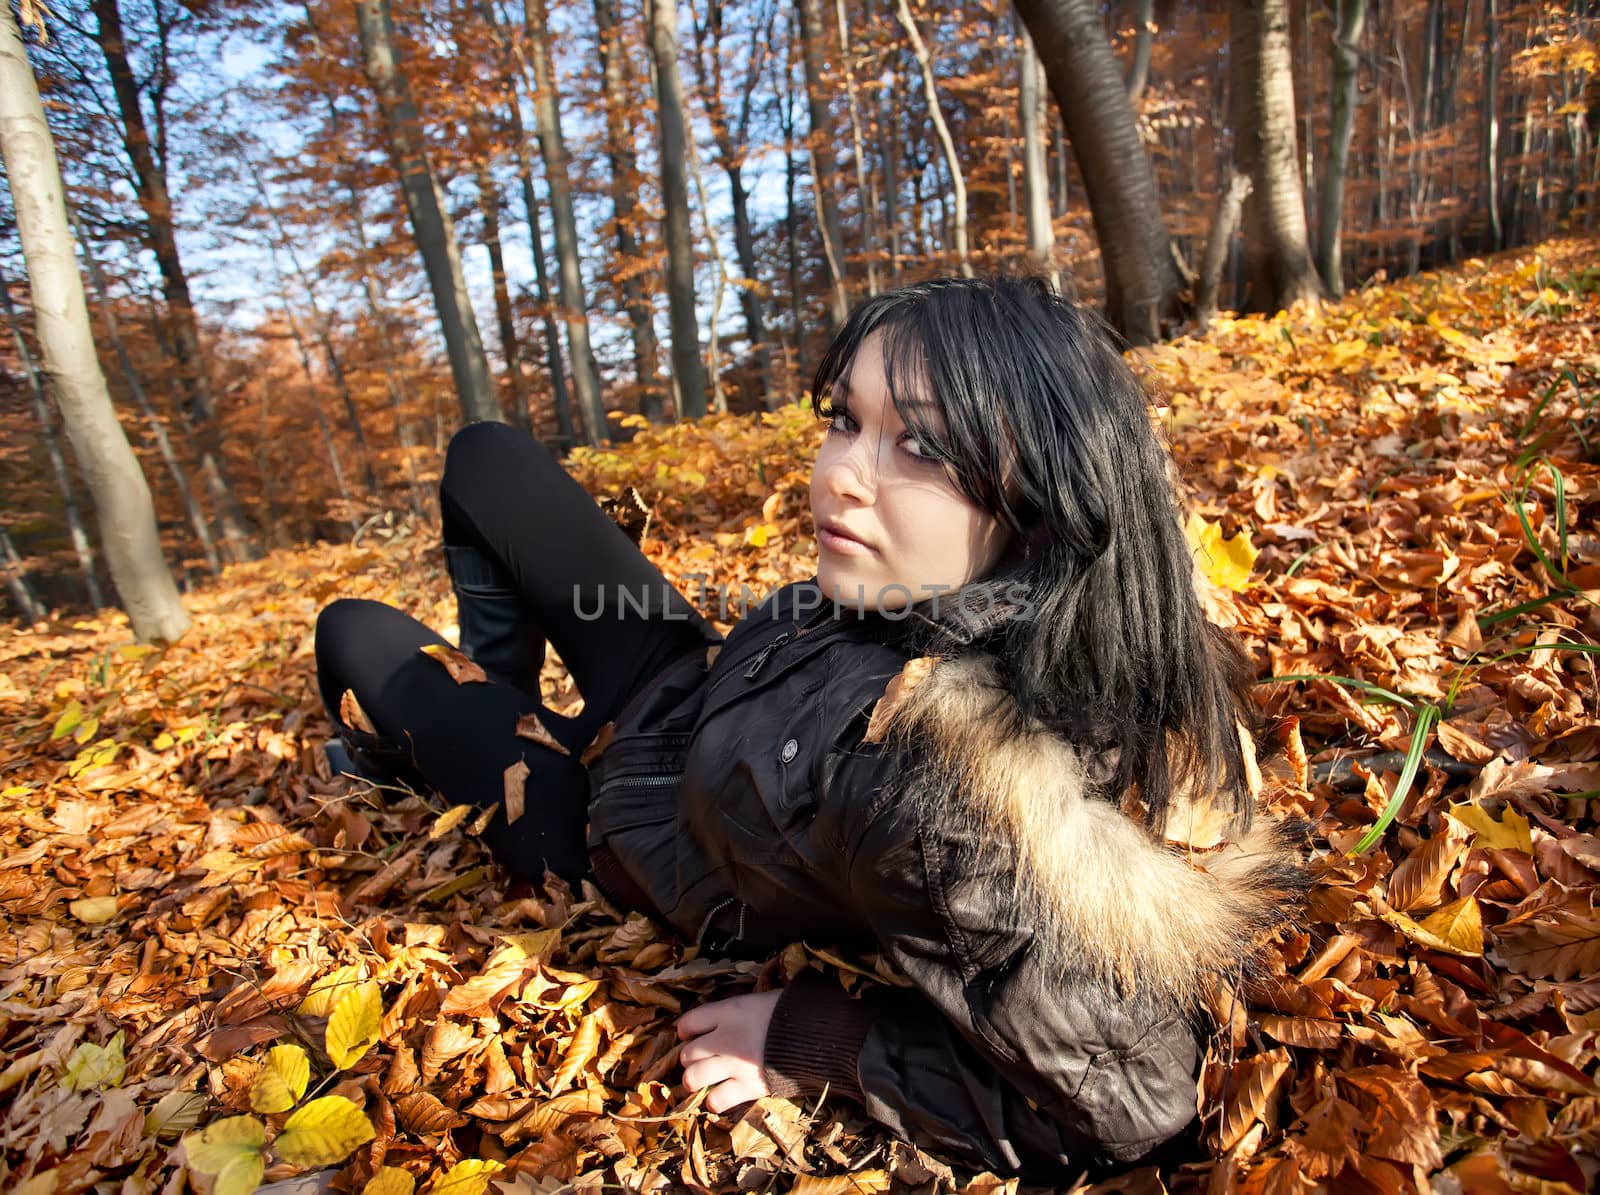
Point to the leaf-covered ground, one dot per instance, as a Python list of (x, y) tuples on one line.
[(214, 950)]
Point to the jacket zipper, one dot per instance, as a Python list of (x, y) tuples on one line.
[(766, 653), (638, 781), (738, 933)]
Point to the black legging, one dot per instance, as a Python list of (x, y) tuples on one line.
[(579, 582)]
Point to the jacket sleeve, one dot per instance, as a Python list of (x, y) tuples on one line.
[(988, 1057)]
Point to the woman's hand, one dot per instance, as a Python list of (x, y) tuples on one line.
[(724, 1047)]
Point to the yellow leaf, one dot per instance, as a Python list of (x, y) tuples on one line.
[(324, 1132), (162, 741), (450, 819), (328, 990), (1460, 924), (1510, 833), (354, 1026), (86, 729), (16, 790), (229, 1149), (1225, 562), (862, 1182), (94, 910), (282, 1079), (390, 1180), (468, 1177), (44, 1183), (95, 1066), (70, 717)]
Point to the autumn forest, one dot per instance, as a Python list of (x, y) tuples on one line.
[(259, 261)]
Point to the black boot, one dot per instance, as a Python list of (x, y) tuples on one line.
[(496, 633), (373, 759)]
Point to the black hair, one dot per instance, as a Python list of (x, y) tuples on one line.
[(1047, 429)]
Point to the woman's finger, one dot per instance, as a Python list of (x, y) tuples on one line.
[(704, 1072), (698, 1020)]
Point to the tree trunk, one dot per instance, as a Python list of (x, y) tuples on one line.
[(1230, 205), (430, 222), (958, 182), (624, 170), (28, 606), (1346, 46), (1261, 95), (122, 496), (541, 278), (489, 207), (1142, 281), (1139, 66), (732, 147), (58, 463), (821, 143), (869, 242), (1491, 122), (150, 183), (889, 137), (575, 304), (1035, 173), (180, 479), (687, 370)]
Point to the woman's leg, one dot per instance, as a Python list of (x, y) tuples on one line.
[(460, 737), (535, 560)]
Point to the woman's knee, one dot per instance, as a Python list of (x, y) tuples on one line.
[(484, 454)]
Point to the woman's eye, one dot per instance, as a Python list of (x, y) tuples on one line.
[(836, 414), (921, 454)]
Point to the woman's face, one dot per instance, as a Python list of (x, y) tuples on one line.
[(915, 533)]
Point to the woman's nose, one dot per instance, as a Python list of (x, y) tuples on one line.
[(853, 474)]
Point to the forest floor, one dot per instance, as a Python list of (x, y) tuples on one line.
[(218, 959)]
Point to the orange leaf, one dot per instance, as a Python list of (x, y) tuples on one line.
[(462, 670), (529, 727), (516, 776)]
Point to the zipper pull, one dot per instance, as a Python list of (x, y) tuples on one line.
[(750, 672)]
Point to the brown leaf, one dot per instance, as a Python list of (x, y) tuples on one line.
[(421, 1112), (351, 713), (462, 670), (597, 745), (1253, 1088), (515, 778), (1421, 879), (530, 727), (581, 1051)]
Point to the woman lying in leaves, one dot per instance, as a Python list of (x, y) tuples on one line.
[(967, 743)]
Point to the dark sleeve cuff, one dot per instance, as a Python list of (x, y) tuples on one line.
[(814, 1039)]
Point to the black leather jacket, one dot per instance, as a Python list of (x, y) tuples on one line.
[(740, 805)]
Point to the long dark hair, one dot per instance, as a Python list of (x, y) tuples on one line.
[(1047, 429)]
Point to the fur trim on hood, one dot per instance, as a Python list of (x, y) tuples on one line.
[(1103, 897)]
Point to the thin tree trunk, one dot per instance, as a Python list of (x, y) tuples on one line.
[(430, 221), (150, 184), (58, 464), (889, 137), (1491, 122), (123, 507), (1035, 177), (322, 420), (624, 171), (820, 145), (687, 371), (29, 606), (574, 303), (1277, 254), (1142, 280), (732, 147), (541, 279), (1139, 66), (322, 324), (1346, 48), (791, 219), (489, 208), (1230, 206), (958, 183), (869, 239), (197, 517)]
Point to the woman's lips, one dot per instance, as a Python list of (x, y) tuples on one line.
[(835, 542)]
